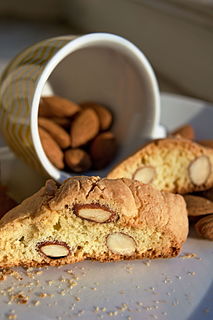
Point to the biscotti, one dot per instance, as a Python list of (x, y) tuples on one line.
[(93, 218), (173, 164)]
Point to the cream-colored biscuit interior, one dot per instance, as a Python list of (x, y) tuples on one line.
[(85, 239), (171, 165)]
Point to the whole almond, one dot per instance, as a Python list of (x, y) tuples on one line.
[(57, 133), (104, 115), (185, 131), (204, 227), (55, 106), (208, 194), (103, 149), (197, 206), (206, 143), (51, 149), (84, 127), (77, 160)]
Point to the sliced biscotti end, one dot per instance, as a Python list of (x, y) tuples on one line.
[(174, 164), (93, 218)]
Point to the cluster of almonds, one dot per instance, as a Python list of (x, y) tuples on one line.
[(76, 135), (199, 204)]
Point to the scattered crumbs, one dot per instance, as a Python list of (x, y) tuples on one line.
[(147, 263), (123, 307), (178, 277), (154, 316), (140, 303), (129, 318), (167, 280), (62, 292), (122, 292), (42, 295), (168, 293), (71, 283), (36, 303), (80, 313), (93, 288), (49, 282), (189, 255), (103, 309), (96, 309), (175, 302), (11, 316), (137, 287), (191, 273), (164, 313), (112, 313), (77, 299), (19, 298)]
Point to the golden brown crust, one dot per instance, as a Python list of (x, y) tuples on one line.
[(158, 149)]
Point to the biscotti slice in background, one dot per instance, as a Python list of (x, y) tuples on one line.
[(93, 218), (173, 164)]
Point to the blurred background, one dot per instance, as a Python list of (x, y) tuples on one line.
[(175, 35)]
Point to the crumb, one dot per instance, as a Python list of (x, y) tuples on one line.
[(42, 295), (191, 273), (77, 299), (189, 256), (36, 303)]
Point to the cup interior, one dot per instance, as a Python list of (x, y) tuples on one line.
[(115, 73)]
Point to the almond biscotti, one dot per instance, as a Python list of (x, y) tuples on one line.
[(174, 164), (93, 218)]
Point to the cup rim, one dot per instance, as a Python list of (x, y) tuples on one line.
[(72, 46)]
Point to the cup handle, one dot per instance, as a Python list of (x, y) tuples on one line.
[(160, 132)]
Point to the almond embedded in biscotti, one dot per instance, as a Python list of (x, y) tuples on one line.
[(51, 149), (55, 106), (84, 127), (121, 243), (57, 133), (103, 149), (185, 131), (197, 206), (77, 160), (54, 249), (104, 115), (199, 170), (95, 212), (204, 227), (145, 174), (206, 143)]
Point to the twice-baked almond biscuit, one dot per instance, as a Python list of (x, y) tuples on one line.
[(84, 127), (51, 149), (179, 165), (197, 206), (55, 106), (104, 115), (185, 131), (93, 218), (57, 133)]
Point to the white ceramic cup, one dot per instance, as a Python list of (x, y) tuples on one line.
[(98, 67)]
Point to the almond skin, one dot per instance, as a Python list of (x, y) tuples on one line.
[(104, 115), (51, 148), (197, 206), (206, 143), (185, 131), (204, 227), (84, 127), (77, 160), (103, 149), (57, 133), (55, 106)]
